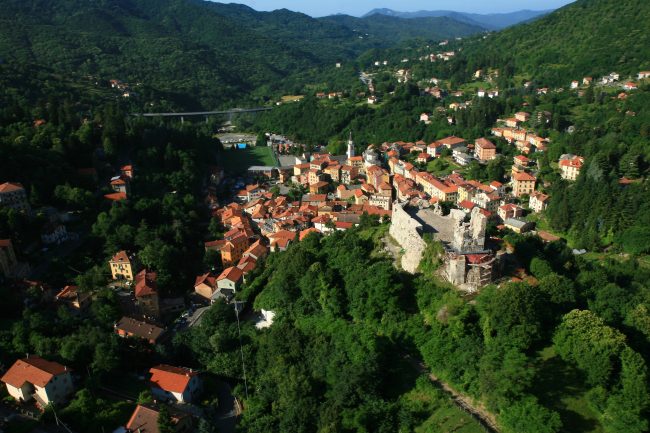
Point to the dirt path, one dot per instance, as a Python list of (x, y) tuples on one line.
[(478, 411)]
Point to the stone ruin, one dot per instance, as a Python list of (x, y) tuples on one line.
[(467, 262)]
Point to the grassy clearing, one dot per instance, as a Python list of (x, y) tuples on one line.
[(561, 387), (238, 161), (433, 411)]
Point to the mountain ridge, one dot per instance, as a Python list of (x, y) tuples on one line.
[(492, 21), (233, 49)]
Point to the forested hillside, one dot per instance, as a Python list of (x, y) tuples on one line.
[(235, 53), (382, 30), (585, 38)]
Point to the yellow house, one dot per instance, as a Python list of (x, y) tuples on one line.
[(121, 266)]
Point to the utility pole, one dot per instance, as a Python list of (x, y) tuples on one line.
[(241, 349)]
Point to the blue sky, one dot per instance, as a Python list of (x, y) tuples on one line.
[(360, 7)]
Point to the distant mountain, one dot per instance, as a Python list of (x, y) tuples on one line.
[(200, 53), (494, 21), (585, 38), (386, 29)]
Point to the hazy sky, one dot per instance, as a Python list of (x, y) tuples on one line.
[(359, 7)]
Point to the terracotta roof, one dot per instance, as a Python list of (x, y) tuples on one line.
[(145, 283), (476, 259), (452, 140), (118, 182), (232, 273), (172, 379), (343, 225), (10, 187), (307, 232), (5, 243), (116, 196), (467, 204), (145, 419), (484, 143), (120, 256), (523, 176), (34, 370), (207, 279)]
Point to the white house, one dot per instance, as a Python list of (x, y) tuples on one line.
[(228, 282), (178, 384), (538, 201), (36, 378)]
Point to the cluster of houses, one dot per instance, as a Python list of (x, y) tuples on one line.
[(120, 184), (261, 222), (122, 87), (612, 79), (45, 382)]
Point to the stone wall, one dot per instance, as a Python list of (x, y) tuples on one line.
[(406, 231)]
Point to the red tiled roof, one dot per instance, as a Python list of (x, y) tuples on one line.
[(484, 143), (307, 232), (232, 273), (475, 259), (467, 204), (523, 176), (34, 370), (116, 196), (120, 256), (172, 379), (207, 279), (10, 187), (145, 419), (5, 243), (145, 283)]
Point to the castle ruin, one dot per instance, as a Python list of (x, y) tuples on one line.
[(467, 262)]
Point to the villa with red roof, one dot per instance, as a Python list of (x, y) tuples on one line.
[(570, 166), (179, 384), (121, 266), (146, 293), (35, 378)]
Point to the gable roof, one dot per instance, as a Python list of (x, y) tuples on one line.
[(10, 187), (484, 143), (145, 283), (232, 273), (523, 177), (170, 378), (145, 419), (120, 256), (207, 279), (139, 328), (33, 369)]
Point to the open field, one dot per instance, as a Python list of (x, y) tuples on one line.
[(238, 161)]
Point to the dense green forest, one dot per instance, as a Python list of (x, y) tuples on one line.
[(565, 350), (585, 38), (237, 54)]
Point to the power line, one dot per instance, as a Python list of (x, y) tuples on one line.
[(241, 349)]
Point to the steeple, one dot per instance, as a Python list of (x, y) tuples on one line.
[(350, 152)]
